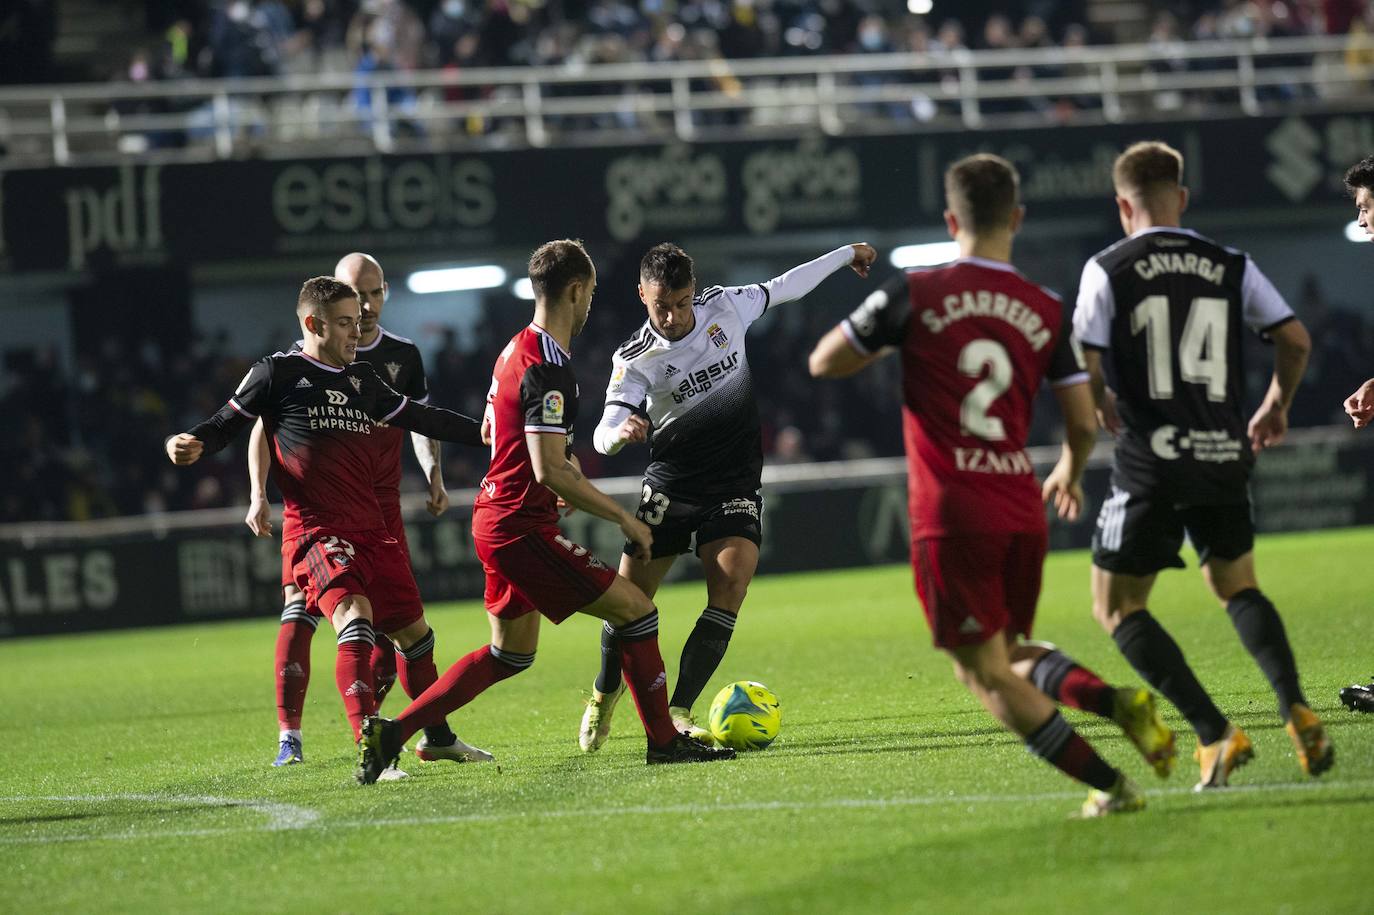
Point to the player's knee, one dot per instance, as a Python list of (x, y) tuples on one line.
[(514, 662)]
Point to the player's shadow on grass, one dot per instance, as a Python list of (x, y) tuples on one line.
[(140, 812), (1252, 802)]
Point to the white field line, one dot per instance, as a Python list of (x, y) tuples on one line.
[(282, 817)]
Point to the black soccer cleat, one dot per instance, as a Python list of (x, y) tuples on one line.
[(1358, 698), (686, 749), (378, 747)]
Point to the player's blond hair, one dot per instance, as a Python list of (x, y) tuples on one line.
[(1146, 168)]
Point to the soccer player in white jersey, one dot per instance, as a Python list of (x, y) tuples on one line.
[(682, 384)]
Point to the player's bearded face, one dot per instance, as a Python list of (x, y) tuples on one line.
[(670, 310)]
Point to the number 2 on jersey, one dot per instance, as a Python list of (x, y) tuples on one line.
[(1201, 349), (975, 358)]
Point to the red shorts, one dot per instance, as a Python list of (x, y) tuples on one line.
[(975, 586), (329, 567), (543, 571), (394, 526)]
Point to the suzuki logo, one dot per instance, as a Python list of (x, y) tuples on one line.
[(1296, 170)]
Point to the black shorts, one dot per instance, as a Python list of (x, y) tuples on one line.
[(1140, 535), (674, 520)]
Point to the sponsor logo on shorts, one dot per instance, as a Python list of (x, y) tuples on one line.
[(971, 626), (553, 407), (740, 507)]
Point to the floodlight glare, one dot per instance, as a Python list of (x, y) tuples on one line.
[(927, 255), (455, 279)]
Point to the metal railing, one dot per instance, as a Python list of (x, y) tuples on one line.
[(351, 114)]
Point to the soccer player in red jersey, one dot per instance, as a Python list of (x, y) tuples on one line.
[(322, 409), (531, 568), (976, 339), (398, 361)]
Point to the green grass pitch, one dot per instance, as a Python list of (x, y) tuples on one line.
[(136, 778)]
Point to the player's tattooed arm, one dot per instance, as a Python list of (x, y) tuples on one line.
[(552, 468)]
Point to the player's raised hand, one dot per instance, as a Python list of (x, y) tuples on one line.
[(1064, 493), (437, 503), (259, 518), (864, 256), (1268, 427), (634, 429), (638, 533), (184, 449), (1360, 405)]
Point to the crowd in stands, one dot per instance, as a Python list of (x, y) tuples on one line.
[(84, 442)]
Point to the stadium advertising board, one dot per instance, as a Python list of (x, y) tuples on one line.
[(49, 585), (83, 218)]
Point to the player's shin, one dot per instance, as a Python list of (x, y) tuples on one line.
[(1066, 681), (418, 673), (701, 655), (383, 667), (353, 672), (1261, 631), (1061, 746), (293, 665), (608, 677), (1156, 656), (646, 678), (462, 682)]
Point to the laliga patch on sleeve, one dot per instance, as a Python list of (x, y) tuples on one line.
[(553, 407), (618, 376)]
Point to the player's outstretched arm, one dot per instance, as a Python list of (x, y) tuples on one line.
[(835, 357), (259, 517), (1292, 345), (437, 423), (1064, 485), (552, 468), (803, 278), (1360, 405), (619, 426), (207, 437)]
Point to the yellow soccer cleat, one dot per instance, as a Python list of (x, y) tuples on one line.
[(1315, 752), (1123, 797), (596, 719), (1135, 710), (1218, 760)]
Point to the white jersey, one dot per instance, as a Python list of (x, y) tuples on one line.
[(697, 393)]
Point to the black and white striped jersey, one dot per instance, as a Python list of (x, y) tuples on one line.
[(1167, 305), (697, 393)]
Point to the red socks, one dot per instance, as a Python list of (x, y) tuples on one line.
[(353, 672), (642, 666), (465, 680), (383, 667), (292, 665), (1066, 681)]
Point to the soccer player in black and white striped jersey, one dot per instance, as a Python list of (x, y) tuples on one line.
[(682, 384)]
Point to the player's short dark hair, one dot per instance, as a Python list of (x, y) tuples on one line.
[(556, 264), (983, 191), (1360, 175), (1147, 167), (666, 265), (320, 291)]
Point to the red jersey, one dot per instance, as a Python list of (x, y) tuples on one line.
[(976, 339), (532, 390)]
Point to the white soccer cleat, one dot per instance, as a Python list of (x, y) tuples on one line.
[(684, 722), (392, 774), (1123, 797), (596, 719), (458, 751)]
